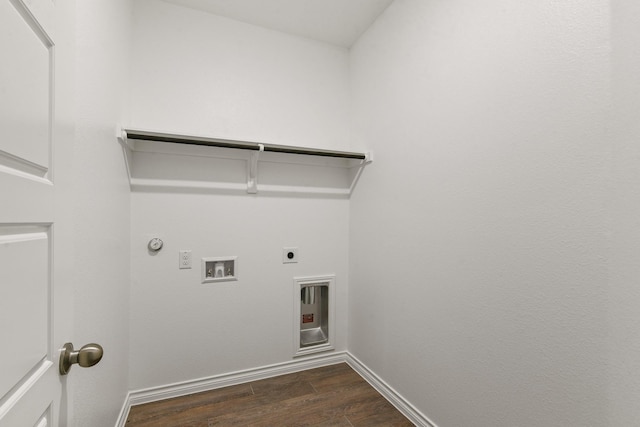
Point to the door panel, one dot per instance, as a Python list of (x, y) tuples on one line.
[(32, 402), (24, 306), (26, 110), (26, 114)]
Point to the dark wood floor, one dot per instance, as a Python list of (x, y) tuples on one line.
[(329, 396)]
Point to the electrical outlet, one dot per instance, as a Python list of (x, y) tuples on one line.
[(289, 255), (185, 259)]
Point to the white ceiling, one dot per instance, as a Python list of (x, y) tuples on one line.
[(338, 22)]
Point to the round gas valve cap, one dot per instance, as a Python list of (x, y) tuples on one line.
[(155, 244)]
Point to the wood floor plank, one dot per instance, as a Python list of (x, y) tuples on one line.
[(329, 396), (388, 419), (154, 410), (309, 409), (345, 379), (339, 422), (283, 387)]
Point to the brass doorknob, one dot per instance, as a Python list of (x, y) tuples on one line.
[(87, 356)]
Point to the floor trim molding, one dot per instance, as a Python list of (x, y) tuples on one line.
[(124, 411), (389, 393), (153, 394)]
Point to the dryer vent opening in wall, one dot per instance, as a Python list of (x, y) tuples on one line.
[(313, 324), (314, 306)]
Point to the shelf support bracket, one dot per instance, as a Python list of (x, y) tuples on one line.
[(368, 159), (252, 179)]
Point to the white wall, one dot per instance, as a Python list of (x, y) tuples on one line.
[(624, 293), (201, 74), (479, 238), (182, 329), (102, 206)]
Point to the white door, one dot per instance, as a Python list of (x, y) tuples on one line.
[(36, 139)]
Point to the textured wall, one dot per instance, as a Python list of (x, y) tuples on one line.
[(624, 298), (102, 210), (202, 74), (479, 238), (197, 330)]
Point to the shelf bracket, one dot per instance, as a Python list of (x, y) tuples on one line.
[(368, 159), (252, 178)]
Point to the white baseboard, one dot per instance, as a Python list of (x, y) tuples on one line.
[(401, 404), (124, 412), (138, 397)]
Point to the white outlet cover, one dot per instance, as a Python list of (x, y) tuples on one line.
[(290, 255), (184, 259)]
